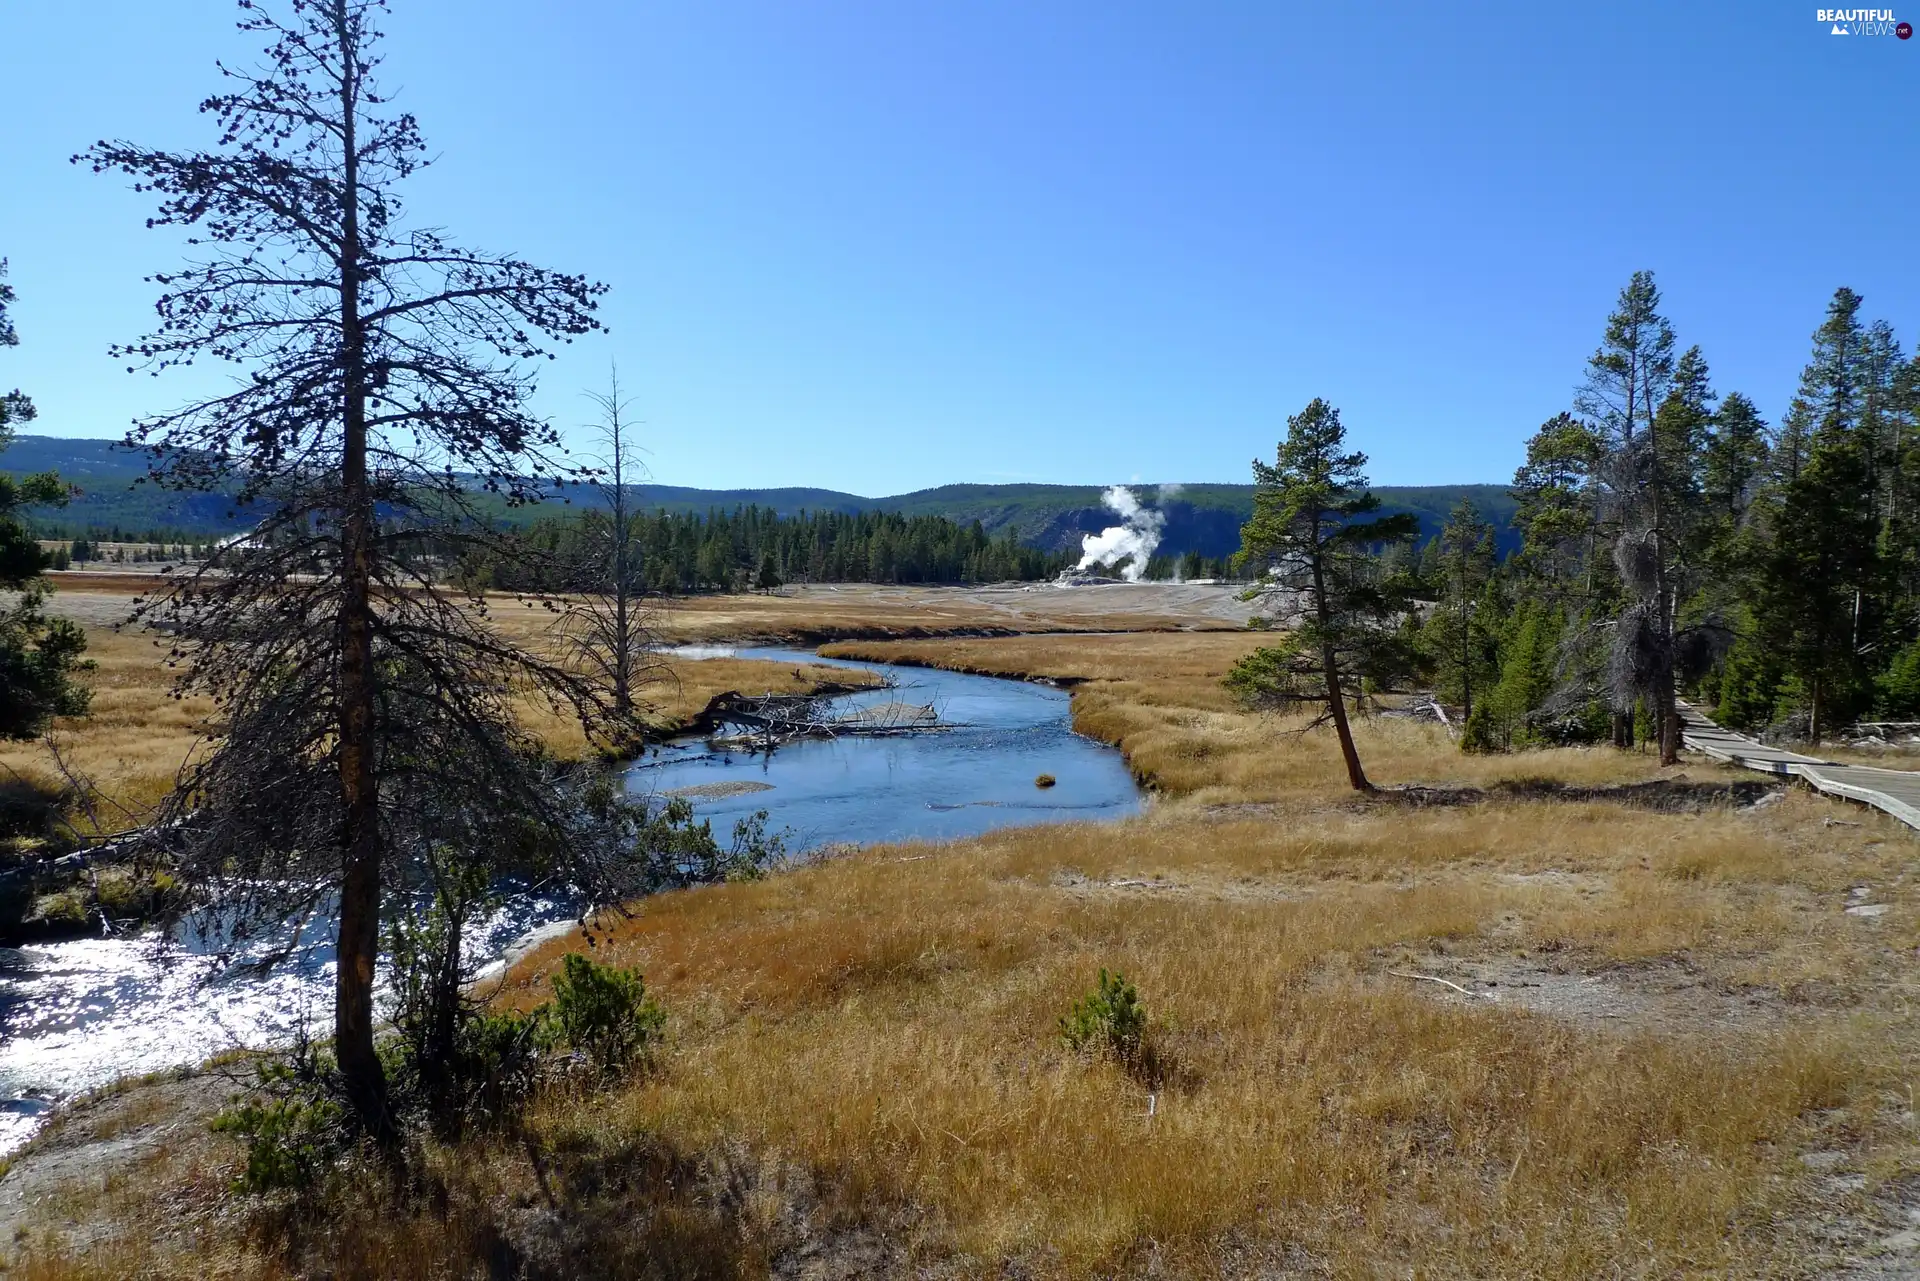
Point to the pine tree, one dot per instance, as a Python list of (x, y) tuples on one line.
[(609, 632), (39, 656), (370, 720), (1459, 636), (1820, 562), (1557, 491), (1647, 468), (1734, 458), (1310, 537)]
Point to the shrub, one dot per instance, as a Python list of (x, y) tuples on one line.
[(497, 1064), (604, 1012), (1480, 734), (1899, 685), (1045, 781), (1109, 1019), (291, 1126)]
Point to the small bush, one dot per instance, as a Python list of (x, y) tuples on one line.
[(292, 1130), (1480, 734), (604, 1012), (1110, 1019), (498, 1064), (29, 806), (1045, 781)]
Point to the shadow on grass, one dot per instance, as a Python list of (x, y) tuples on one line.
[(1668, 795)]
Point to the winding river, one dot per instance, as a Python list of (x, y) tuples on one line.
[(77, 1015)]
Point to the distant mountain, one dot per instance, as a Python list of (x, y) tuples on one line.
[(1202, 518)]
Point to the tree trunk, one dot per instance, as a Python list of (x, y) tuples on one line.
[(1336, 698), (1337, 705), (359, 931), (1466, 647), (622, 626), (1666, 721)]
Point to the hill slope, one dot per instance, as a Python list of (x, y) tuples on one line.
[(1203, 517)]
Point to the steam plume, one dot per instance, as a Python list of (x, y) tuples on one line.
[(1136, 537)]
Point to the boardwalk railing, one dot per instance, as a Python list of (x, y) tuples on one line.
[(1894, 791)]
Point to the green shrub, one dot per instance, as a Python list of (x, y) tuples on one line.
[(604, 1012), (1109, 1019), (292, 1130), (1750, 686), (498, 1064), (1899, 686), (1480, 734)]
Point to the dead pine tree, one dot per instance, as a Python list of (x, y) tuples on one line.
[(609, 627), (1312, 546), (1628, 377), (382, 376)]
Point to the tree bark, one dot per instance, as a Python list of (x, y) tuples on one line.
[(1330, 670), (359, 930), (622, 604), (1466, 645), (1337, 705)]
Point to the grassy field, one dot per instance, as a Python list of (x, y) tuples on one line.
[(1586, 1020)]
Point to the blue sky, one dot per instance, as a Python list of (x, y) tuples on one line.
[(885, 246)]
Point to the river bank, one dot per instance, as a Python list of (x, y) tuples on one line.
[(115, 765), (79, 1013), (1549, 1032)]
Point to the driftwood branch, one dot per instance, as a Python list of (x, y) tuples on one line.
[(1434, 978)]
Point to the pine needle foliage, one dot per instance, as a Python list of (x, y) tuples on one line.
[(1313, 543)]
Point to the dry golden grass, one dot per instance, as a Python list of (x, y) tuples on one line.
[(866, 1047), (855, 609), (1160, 700), (133, 741)]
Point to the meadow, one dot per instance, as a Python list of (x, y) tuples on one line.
[(1552, 1014)]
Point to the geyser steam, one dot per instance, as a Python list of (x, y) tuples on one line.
[(1136, 538)]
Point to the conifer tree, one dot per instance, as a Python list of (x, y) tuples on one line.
[(1557, 491), (1309, 542), (370, 718), (1734, 458), (39, 656), (610, 632), (1459, 636), (1628, 380), (1815, 600)]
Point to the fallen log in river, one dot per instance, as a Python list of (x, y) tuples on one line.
[(766, 721)]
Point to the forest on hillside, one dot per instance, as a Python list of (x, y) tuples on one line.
[(754, 547), (111, 504)]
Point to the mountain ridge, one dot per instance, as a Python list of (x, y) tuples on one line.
[(1200, 516)]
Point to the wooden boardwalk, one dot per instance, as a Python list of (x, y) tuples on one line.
[(1895, 791)]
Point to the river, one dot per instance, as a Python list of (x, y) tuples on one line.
[(79, 1014)]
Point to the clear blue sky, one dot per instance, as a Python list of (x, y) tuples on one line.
[(883, 246)]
